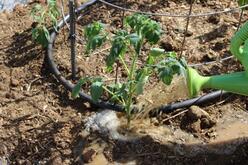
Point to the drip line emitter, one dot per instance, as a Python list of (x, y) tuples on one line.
[(233, 82)]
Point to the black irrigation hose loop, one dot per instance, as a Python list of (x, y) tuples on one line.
[(107, 105), (213, 96)]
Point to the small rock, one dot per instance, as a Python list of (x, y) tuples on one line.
[(196, 113), (56, 158), (218, 46), (155, 121), (8, 95), (167, 46), (195, 127), (207, 123), (14, 83), (189, 33), (182, 31), (2, 87), (89, 155)]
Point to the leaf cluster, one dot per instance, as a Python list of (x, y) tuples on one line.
[(127, 43), (95, 36), (44, 16)]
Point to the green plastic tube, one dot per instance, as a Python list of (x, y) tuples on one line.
[(233, 82), (237, 42)]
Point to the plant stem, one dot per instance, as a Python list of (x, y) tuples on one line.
[(110, 92), (131, 88), (125, 65)]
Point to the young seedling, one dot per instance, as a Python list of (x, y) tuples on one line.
[(44, 17), (127, 45)]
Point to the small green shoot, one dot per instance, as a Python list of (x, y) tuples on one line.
[(44, 16)]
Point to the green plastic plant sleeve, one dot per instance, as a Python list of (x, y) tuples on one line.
[(233, 82)]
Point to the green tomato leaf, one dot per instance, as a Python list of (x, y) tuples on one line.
[(96, 90), (166, 75), (171, 54), (170, 66), (242, 2), (95, 37), (136, 22), (119, 47), (144, 27), (141, 79), (155, 52), (152, 31), (46, 33), (135, 40), (41, 35), (119, 90), (93, 30), (76, 89), (95, 42)]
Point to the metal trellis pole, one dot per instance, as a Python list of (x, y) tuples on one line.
[(240, 18), (186, 29), (73, 37)]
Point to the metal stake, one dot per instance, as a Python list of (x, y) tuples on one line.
[(186, 29), (73, 38)]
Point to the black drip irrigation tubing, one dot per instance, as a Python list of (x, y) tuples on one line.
[(116, 107)]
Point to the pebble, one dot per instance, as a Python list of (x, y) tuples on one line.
[(200, 118), (89, 155), (207, 123), (56, 158), (196, 113), (14, 83)]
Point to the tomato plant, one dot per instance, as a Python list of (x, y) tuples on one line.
[(242, 2), (44, 16), (127, 44)]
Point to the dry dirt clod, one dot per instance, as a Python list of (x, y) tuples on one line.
[(214, 19), (89, 155), (196, 113), (167, 46), (56, 158), (201, 117), (155, 121), (195, 127), (207, 123), (11, 95), (14, 83)]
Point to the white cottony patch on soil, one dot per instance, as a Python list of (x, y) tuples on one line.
[(105, 123), (10, 4)]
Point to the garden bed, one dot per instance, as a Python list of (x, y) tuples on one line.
[(40, 123)]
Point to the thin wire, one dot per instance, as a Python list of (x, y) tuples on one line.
[(173, 15), (240, 19), (186, 29), (191, 65), (66, 23), (211, 62)]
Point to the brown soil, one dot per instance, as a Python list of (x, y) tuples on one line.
[(41, 124)]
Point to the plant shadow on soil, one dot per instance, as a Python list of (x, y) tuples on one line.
[(22, 50), (148, 151)]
